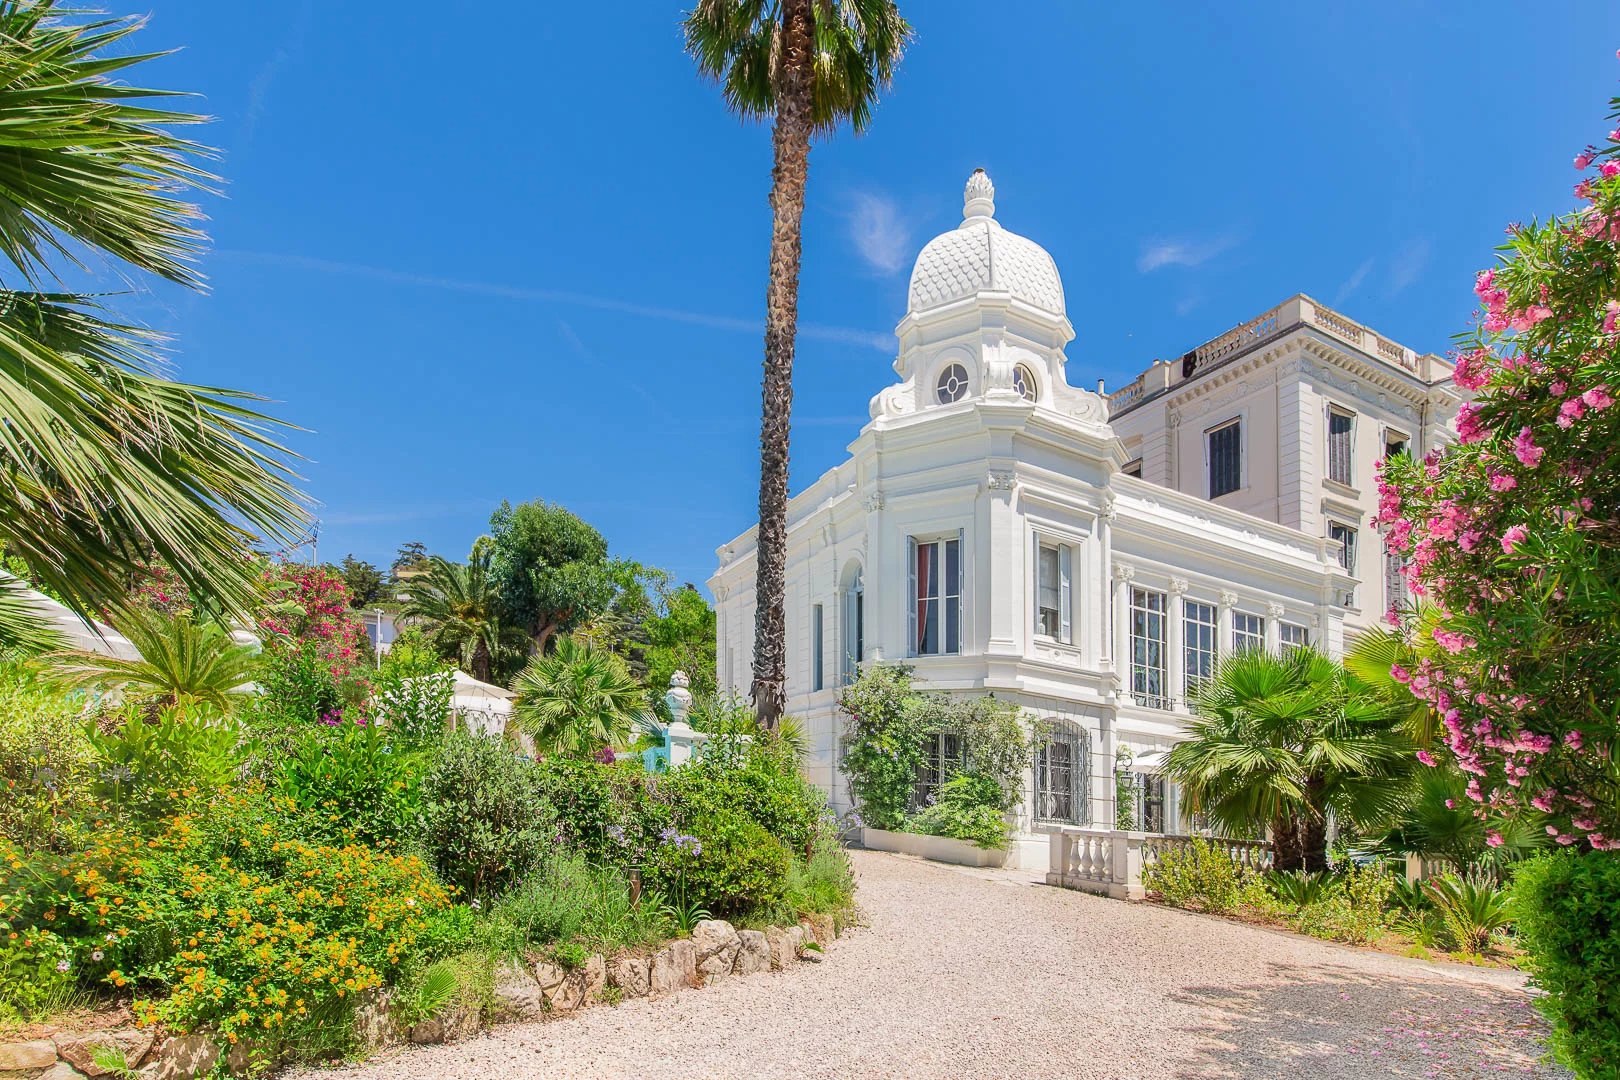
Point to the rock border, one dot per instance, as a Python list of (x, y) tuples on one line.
[(534, 989)]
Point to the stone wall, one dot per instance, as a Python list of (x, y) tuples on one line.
[(532, 990)]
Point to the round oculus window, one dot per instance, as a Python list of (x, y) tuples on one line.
[(1024, 383), (953, 384)]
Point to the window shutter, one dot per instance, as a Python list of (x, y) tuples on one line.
[(961, 575), (911, 596), (1065, 554), (1035, 583)]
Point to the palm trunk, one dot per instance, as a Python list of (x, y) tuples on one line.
[(1313, 827), (480, 660), (791, 143), (1285, 849)]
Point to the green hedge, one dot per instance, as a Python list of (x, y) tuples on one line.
[(1567, 910)]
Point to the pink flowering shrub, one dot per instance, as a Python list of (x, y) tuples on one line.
[(1513, 533)]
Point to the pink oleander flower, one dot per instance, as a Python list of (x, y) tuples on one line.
[(1573, 739), (1493, 838), (1426, 757), (1503, 481), (1610, 168), (1526, 450), (1611, 316), (1583, 160), (1513, 538), (1597, 398)]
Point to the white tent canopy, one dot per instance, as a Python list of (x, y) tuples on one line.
[(77, 633)]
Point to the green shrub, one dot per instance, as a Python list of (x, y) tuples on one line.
[(747, 779), (1351, 910), (1198, 876), (148, 769), (1301, 888), (352, 784), (1471, 909), (824, 884), (1566, 910), (487, 821), (884, 747), (46, 763), (35, 969), (218, 920), (568, 900), (968, 807), (608, 813), (728, 863)]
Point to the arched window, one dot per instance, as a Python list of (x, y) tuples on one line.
[(854, 625), (1062, 775), (953, 384), (1024, 382)]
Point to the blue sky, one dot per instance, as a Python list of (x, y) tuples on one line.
[(518, 250)]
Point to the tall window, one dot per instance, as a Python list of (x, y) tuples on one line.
[(1150, 792), (818, 679), (1394, 443), (1291, 636), (1341, 442), (1346, 536), (854, 628), (1133, 468), (1198, 634), (936, 591), (1248, 631), (1061, 771), (1147, 648), (1395, 594), (1225, 458), (942, 759), (1052, 591)]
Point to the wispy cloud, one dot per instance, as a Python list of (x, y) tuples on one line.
[(879, 234), (265, 77), (401, 514), (1157, 254), (1187, 304), (841, 334), (1409, 265), (1353, 282)]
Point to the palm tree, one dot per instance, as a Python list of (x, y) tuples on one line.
[(1279, 741), (182, 661), (809, 65), (578, 700), (105, 464), (456, 604)]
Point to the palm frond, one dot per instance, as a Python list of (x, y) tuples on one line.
[(182, 660), (22, 629), (578, 700)]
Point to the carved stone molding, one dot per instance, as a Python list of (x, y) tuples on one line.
[(721, 592), (1316, 622), (1178, 585), (1275, 611), (727, 554), (1229, 599), (1001, 480), (874, 501), (1124, 571)]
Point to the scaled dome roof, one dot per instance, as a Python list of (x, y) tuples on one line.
[(980, 256)]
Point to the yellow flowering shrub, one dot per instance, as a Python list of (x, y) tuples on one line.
[(219, 919)]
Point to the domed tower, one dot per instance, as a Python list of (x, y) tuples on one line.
[(985, 321)]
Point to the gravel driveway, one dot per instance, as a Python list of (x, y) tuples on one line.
[(971, 973)]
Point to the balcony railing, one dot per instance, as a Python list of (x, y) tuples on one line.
[(1110, 861), (1290, 313)]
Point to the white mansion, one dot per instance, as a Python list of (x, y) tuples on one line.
[(1085, 554)]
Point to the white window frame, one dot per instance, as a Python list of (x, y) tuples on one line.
[(1349, 477), (1238, 422), (1396, 435), (1287, 630), (1142, 669), (1065, 590), (1348, 553), (818, 647), (854, 629), (1248, 631), (1202, 646), (1048, 797), (948, 597)]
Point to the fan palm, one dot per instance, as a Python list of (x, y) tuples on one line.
[(1279, 741), (103, 462), (457, 605), (809, 65), (182, 661), (1373, 657), (578, 700)]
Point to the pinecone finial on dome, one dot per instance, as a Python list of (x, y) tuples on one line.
[(979, 197)]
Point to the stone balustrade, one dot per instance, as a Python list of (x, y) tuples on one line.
[(1110, 862)]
